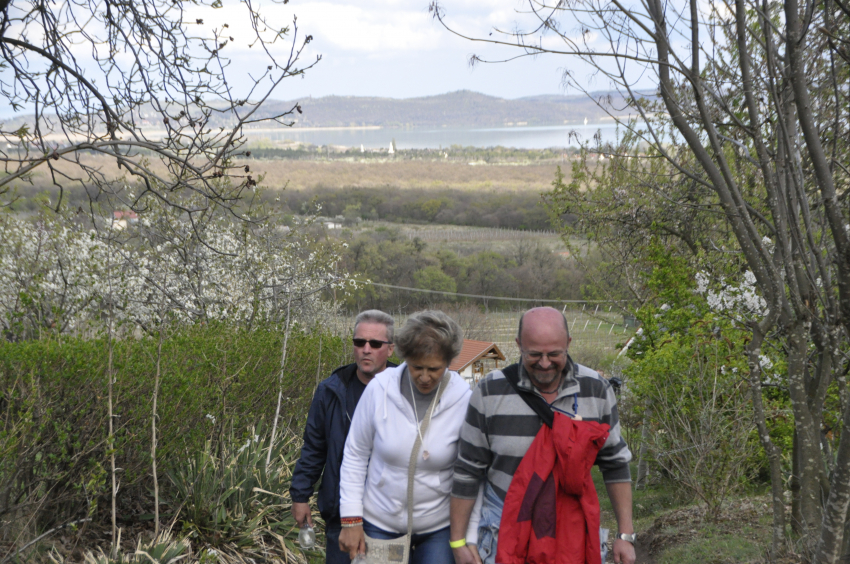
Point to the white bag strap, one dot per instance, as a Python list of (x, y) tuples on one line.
[(417, 444)]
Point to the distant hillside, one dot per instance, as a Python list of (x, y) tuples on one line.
[(461, 109), (455, 109)]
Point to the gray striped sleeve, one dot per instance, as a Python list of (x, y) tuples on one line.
[(474, 454), (597, 402)]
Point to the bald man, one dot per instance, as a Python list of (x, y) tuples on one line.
[(500, 427)]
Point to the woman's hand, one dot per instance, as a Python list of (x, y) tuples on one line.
[(353, 541), (467, 554)]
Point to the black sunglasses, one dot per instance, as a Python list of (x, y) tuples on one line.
[(374, 343)]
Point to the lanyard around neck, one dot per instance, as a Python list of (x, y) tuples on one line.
[(430, 412)]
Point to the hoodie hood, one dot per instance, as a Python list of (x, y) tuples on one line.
[(390, 382)]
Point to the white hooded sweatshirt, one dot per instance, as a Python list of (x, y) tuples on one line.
[(373, 478)]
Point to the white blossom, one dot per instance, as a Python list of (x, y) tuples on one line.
[(702, 282), (741, 300), (256, 439), (56, 276)]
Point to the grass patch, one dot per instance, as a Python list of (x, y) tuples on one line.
[(740, 534), (713, 547), (674, 530), (647, 503)]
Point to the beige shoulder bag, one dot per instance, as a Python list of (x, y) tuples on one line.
[(397, 551)]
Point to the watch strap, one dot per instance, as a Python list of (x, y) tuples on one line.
[(628, 537)]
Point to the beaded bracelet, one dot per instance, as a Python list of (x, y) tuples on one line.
[(347, 522)]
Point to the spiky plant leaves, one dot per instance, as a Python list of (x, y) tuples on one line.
[(232, 499), (161, 550)]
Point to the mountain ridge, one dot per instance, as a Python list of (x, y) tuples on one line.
[(458, 109), (462, 108)]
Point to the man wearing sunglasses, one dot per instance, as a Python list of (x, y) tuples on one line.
[(328, 422)]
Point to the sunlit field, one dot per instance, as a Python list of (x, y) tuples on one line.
[(420, 175), (400, 174)]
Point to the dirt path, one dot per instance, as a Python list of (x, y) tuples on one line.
[(642, 555)]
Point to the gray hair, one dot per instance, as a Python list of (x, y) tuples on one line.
[(430, 332), (376, 316)]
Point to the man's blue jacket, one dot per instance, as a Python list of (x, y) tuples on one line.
[(327, 428)]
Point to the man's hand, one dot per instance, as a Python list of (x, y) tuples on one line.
[(467, 554), (624, 552), (301, 513), (620, 494), (353, 541)]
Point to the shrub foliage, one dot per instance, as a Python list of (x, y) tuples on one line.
[(217, 384)]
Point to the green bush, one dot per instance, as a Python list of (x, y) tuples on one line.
[(215, 380), (688, 384)]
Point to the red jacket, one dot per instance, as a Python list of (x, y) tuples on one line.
[(551, 513)]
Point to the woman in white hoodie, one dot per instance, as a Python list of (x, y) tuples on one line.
[(388, 420)]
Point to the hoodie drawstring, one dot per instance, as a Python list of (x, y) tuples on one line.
[(386, 392)]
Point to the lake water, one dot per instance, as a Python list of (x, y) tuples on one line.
[(541, 137)]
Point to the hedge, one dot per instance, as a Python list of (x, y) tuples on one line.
[(216, 382)]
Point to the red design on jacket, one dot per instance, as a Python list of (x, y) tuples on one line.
[(551, 512)]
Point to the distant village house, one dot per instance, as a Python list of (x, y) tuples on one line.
[(121, 219), (476, 359)]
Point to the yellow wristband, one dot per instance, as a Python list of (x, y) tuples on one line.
[(457, 543)]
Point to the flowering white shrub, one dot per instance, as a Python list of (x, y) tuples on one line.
[(59, 277), (49, 275), (740, 300)]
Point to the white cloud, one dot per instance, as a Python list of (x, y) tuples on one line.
[(356, 29), (376, 27)]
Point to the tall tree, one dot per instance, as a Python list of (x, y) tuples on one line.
[(757, 92)]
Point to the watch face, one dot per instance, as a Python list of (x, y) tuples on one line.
[(627, 537)]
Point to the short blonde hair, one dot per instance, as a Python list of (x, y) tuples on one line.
[(429, 332)]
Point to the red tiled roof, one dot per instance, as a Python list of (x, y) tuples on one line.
[(472, 351)]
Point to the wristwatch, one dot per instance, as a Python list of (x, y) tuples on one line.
[(627, 537)]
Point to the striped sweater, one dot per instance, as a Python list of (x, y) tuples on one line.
[(500, 427)]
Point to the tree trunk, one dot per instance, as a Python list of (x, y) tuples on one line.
[(280, 380), (806, 439), (794, 486), (835, 512), (643, 463), (153, 431), (110, 376), (845, 548), (774, 456)]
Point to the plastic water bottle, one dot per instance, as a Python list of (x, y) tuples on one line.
[(307, 537), (360, 559)]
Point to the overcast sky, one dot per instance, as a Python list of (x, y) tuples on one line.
[(387, 48), (394, 48)]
